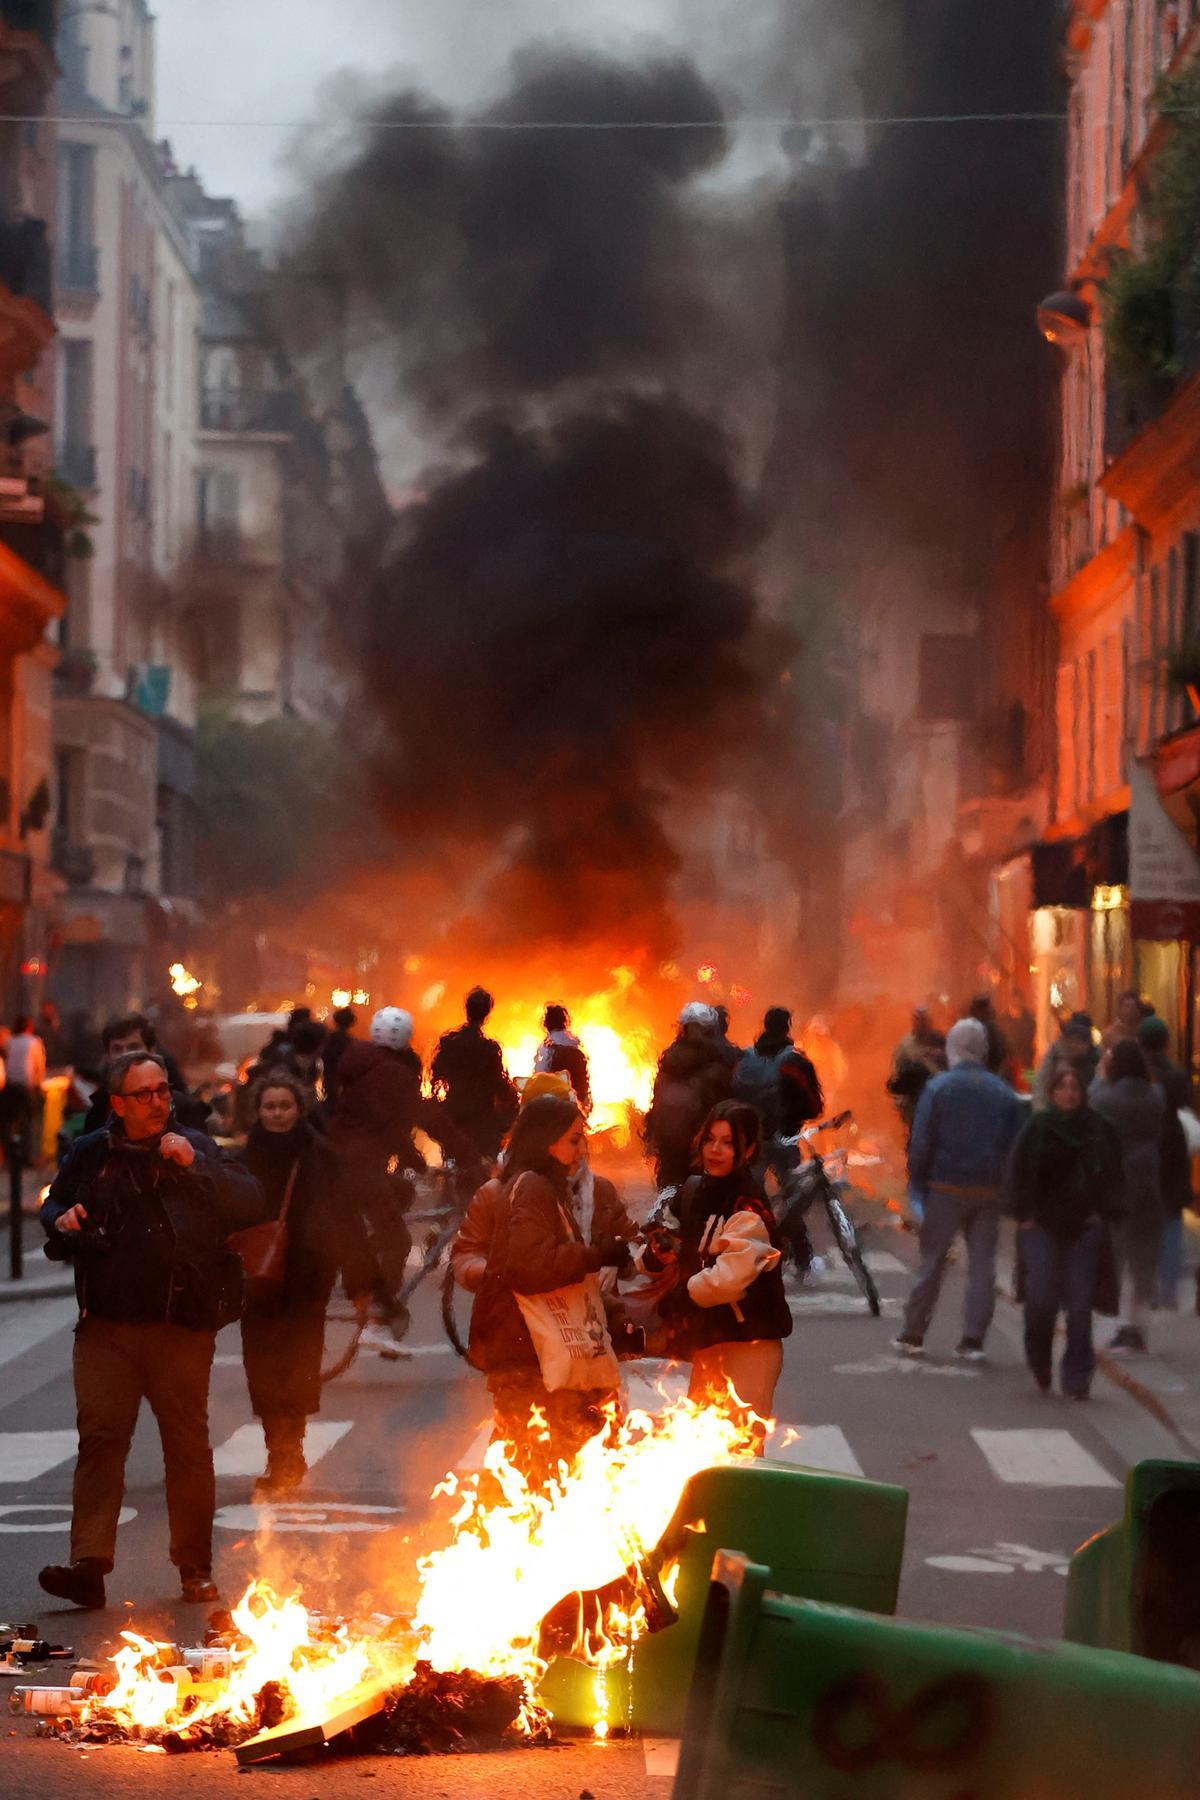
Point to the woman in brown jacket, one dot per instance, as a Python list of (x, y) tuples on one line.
[(534, 1244)]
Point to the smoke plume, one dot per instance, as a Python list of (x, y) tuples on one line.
[(564, 631)]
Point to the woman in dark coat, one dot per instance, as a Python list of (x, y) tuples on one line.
[(283, 1339), (728, 1312), (1124, 1093), (1066, 1185), (536, 1246)]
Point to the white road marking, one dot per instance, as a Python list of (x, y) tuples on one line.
[(817, 1447), (1038, 1458), (61, 1523), (245, 1453), (835, 1302), (31, 1322), (882, 1262), (306, 1515), (969, 1565), (651, 1385), (1004, 1559), (24, 1455), (906, 1365), (472, 1459)]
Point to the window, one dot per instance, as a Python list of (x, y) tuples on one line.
[(78, 263), (218, 505)]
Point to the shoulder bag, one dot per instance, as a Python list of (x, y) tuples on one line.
[(263, 1249), (569, 1329)]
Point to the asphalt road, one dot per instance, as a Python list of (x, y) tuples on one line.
[(1005, 1483)]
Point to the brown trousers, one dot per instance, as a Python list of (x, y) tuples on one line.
[(117, 1366)]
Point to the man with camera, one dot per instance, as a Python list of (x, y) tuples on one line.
[(142, 1209)]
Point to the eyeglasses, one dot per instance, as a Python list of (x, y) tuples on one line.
[(143, 1096)]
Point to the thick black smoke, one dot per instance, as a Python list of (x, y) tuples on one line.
[(563, 634)]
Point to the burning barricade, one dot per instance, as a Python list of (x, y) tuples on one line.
[(574, 1568)]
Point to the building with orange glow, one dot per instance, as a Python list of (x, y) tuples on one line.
[(1126, 549), (32, 515)]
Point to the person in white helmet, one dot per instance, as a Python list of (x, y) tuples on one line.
[(693, 1077), (378, 1105)]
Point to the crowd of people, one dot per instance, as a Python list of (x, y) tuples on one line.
[(173, 1235), (1090, 1152)]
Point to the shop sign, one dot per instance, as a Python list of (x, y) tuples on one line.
[(1164, 870)]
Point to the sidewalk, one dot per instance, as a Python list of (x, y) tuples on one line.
[(41, 1279)]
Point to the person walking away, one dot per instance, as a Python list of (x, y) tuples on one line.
[(1177, 1192), (782, 1085), (730, 1052), (918, 1057), (121, 1037), (537, 1247), (728, 1313), (1074, 1048), (468, 1069), (379, 1106), (344, 1021), (562, 1053), (142, 1210), (983, 1008), (283, 1337), (967, 1120), (692, 1076), (25, 1066), (1066, 1186), (1019, 1029), (1124, 1094)]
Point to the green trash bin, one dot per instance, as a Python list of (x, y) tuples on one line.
[(1136, 1585), (828, 1537), (791, 1697)]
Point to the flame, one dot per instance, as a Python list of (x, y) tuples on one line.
[(617, 1041), (518, 1557), (183, 982), (515, 1553)]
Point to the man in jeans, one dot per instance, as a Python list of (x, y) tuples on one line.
[(965, 1126), (142, 1209)]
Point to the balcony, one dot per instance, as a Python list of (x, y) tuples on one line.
[(77, 466), (41, 544), (76, 863), (245, 409), (79, 269)]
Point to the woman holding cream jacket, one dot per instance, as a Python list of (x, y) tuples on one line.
[(728, 1312)]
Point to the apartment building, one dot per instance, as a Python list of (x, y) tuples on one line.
[(1114, 887), (33, 519), (128, 312)]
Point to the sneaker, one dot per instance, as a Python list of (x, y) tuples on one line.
[(971, 1350), (908, 1344), (378, 1337), (1128, 1342), (197, 1586), (82, 1582)]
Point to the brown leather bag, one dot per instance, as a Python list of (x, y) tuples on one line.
[(263, 1249)]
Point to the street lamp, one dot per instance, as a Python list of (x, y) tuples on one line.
[(1064, 318)]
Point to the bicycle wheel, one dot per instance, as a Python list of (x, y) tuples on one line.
[(453, 1298), (848, 1242)]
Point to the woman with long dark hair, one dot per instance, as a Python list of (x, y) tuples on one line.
[(283, 1338), (728, 1312), (1066, 1184), (537, 1248)]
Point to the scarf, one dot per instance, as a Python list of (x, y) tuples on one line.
[(272, 1155)]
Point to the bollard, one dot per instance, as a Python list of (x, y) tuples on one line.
[(1136, 1585), (828, 1537), (794, 1698)]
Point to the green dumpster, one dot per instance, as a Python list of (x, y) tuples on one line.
[(1136, 1585), (791, 1697), (828, 1537)]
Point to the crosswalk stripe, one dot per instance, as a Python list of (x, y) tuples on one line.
[(816, 1447), (24, 1455), (245, 1453), (31, 1322), (1038, 1458)]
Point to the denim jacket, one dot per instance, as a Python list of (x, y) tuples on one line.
[(966, 1123)]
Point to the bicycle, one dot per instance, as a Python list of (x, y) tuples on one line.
[(823, 1179)]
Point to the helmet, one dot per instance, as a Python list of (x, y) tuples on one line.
[(392, 1027), (697, 1013)]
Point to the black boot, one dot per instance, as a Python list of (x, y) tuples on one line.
[(197, 1586), (82, 1582)]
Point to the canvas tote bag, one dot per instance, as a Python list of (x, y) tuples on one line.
[(569, 1329)]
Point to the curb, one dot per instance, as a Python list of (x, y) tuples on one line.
[(1137, 1390), (36, 1287)]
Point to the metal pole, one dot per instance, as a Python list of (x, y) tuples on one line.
[(16, 1221)]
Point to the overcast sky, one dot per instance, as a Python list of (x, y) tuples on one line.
[(224, 66)]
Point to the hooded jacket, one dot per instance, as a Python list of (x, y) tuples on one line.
[(965, 1125), (378, 1104), (692, 1077), (1135, 1108)]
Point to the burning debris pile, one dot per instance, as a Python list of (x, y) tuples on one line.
[(580, 1567)]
